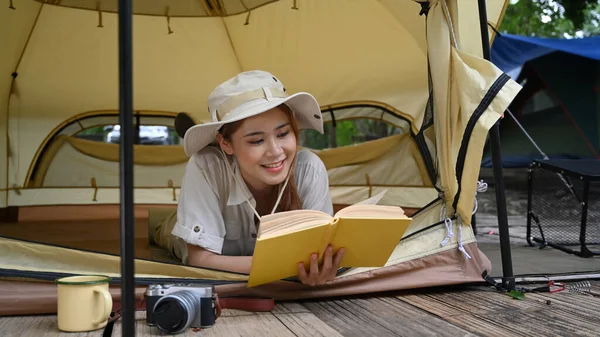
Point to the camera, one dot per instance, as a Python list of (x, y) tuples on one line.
[(175, 307)]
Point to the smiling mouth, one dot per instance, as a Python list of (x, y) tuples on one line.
[(275, 165)]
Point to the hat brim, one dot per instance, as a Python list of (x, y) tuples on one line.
[(306, 111)]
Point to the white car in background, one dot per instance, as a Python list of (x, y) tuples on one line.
[(149, 134)]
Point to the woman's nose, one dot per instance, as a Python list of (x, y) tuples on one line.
[(274, 148)]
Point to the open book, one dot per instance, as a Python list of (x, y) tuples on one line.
[(369, 233)]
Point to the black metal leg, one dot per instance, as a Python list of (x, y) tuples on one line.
[(585, 252), (508, 279), (126, 167), (529, 205)]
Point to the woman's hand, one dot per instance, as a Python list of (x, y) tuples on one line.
[(328, 270)]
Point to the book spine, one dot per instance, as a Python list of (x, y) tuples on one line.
[(328, 238)]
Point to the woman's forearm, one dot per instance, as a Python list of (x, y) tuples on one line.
[(200, 257)]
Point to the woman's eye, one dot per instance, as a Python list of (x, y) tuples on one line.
[(283, 134), (256, 142)]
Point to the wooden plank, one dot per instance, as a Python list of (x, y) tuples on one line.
[(231, 326), (481, 326), (235, 312), (571, 302), (452, 303), (488, 313), (461, 315), (280, 308), (306, 324), (289, 307), (380, 316), (288, 319), (545, 323), (260, 325), (38, 326), (298, 319), (26, 326)]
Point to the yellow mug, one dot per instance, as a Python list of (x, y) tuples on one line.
[(84, 302)]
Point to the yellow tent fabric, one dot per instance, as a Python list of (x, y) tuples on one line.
[(65, 60), (345, 52), (359, 153), (457, 94), (73, 162), (18, 255), (155, 155), (355, 172)]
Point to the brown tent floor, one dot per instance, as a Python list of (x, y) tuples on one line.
[(97, 228), (93, 228), (94, 235), (88, 227)]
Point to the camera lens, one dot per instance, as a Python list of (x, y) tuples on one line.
[(175, 312)]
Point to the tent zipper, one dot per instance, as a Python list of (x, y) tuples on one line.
[(426, 154), (483, 105)]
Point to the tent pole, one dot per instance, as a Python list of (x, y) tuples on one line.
[(126, 167), (508, 279)]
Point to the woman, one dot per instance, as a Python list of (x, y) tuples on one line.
[(244, 165)]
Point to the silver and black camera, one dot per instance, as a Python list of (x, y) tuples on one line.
[(175, 307)]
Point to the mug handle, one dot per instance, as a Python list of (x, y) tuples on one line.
[(107, 306)]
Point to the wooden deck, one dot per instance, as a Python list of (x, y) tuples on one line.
[(460, 311)]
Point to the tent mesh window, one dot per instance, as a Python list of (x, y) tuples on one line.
[(354, 124), (564, 206), (83, 152), (149, 130)]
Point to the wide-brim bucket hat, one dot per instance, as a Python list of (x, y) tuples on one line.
[(249, 94)]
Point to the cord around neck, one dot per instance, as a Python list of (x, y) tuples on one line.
[(246, 196)]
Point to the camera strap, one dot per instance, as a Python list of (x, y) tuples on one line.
[(254, 304), (116, 314)]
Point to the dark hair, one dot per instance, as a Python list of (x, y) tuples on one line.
[(290, 200)]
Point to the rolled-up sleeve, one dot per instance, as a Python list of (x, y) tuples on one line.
[(313, 183), (199, 218)]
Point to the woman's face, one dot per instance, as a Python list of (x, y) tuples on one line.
[(265, 147)]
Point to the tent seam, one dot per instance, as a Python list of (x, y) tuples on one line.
[(235, 53), (10, 95)]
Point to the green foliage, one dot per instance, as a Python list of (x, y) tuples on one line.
[(314, 140), (578, 10), (347, 132), (591, 27), (96, 130), (552, 18), (516, 294)]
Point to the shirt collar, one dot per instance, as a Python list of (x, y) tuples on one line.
[(238, 193)]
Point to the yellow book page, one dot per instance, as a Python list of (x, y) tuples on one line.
[(368, 242), (371, 211), (291, 221), (277, 258)]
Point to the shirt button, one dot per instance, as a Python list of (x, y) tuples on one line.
[(254, 235), (197, 229)]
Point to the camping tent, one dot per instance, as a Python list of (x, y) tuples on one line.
[(415, 65), (559, 105)]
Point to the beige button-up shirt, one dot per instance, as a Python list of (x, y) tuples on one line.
[(213, 212)]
